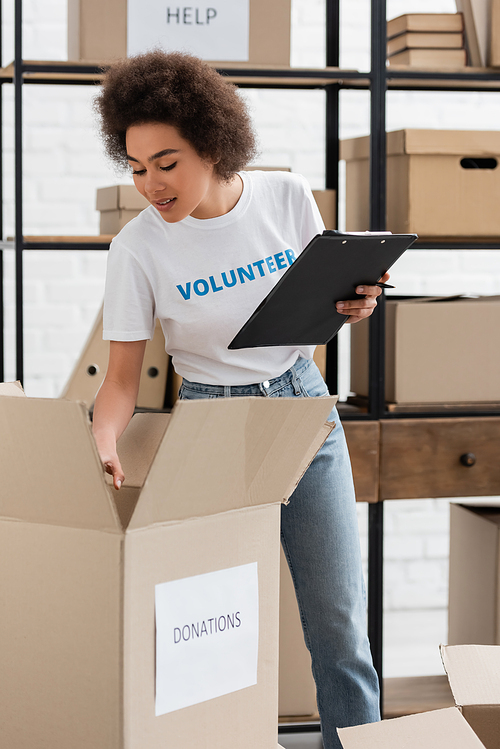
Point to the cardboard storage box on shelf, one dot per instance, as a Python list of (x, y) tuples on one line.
[(474, 676), (118, 205), (430, 344), (495, 34), (217, 31), (149, 616), (91, 366), (440, 183), (474, 595)]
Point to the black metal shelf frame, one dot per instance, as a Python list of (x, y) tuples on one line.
[(377, 81)]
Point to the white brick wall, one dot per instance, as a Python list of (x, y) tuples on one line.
[(64, 165)]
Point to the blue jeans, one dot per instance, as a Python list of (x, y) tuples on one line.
[(319, 534)]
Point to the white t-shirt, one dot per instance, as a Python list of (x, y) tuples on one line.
[(203, 278)]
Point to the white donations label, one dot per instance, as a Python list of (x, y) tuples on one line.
[(207, 636), (216, 30)]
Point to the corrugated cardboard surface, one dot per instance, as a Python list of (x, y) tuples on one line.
[(474, 598), (477, 27), (485, 721), (429, 343), (12, 388), (51, 471), (83, 386), (77, 656), (327, 204), (439, 729), (246, 718), (98, 31), (190, 476), (124, 197), (111, 222), (429, 192), (474, 673), (474, 676), (60, 631)]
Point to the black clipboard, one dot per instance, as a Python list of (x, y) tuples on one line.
[(300, 309)]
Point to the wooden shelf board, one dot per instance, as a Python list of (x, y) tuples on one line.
[(69, 240), (402, 696), (283, 77), (417, 694), (466, 82)]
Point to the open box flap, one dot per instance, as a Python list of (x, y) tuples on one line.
[(437, 729), (12, 388), (138, 445), (473, 672), (224, 454), (50, 471)]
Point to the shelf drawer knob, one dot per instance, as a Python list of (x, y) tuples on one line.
[(468, 459)]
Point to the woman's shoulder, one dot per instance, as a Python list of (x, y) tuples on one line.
[(135, 233), (278, 181)]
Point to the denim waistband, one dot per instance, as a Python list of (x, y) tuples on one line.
[(267, 387)]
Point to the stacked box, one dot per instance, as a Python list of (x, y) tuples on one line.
[(441, 184), (427, 40)]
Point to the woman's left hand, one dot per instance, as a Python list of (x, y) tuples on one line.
[(359, 309)]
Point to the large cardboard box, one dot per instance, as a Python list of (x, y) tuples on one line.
[(441, 350), (118, 205), (98, 31), (90, 369), (100, 587), (474, 676), (440, 183), (474, 595)]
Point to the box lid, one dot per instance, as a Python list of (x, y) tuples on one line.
[(473, 672), (120, 197), (224, 454), (459, 142), (50, 469), (438, 729)]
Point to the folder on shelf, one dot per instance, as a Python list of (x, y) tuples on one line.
[(300, 309)]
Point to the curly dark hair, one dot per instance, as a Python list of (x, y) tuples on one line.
[(180, 90)]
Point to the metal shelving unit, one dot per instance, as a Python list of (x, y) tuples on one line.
[(332, 80)]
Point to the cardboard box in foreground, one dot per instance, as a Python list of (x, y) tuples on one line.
[(437, 351), (89, 574), (440, 183), (474, 676)]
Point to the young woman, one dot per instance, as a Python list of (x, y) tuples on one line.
[(200, 258)]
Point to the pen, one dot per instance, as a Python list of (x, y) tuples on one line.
[(385, 285)]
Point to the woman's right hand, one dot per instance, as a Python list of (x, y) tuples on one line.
[(113, 466), (115, 401)]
